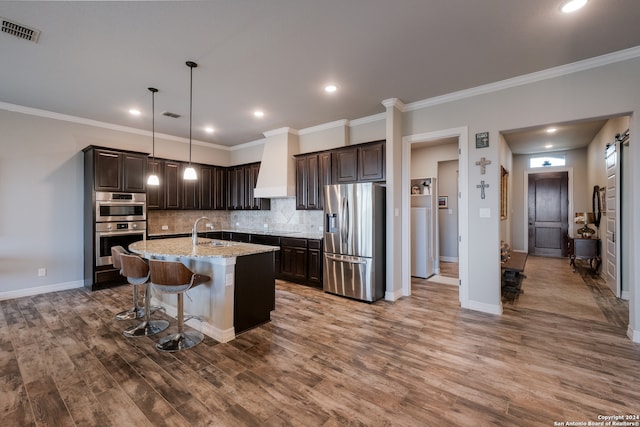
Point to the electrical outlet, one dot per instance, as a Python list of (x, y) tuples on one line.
[(165, 227), (266, 226), (42, 272)]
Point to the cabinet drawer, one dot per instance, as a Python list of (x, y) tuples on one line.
[(314, 244), (289, 241)]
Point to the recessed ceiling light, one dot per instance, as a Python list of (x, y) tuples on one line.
[(330, 88), (573, 5), (209, 129), (552, 130), (134, 112), (258, 113), (548, 146)]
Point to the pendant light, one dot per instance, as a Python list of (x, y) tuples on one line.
[(153, 179), (190, 172)]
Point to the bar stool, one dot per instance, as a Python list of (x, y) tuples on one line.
[(174, 277), (136, 312), (137, 273)]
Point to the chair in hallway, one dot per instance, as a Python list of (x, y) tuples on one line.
[(135, 312), (175, 278), (137, 273)]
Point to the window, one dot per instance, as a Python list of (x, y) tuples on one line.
[(546, 161)]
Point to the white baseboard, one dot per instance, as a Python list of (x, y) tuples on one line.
[(393, 295), (28, 292), (220, 335), (484, 307), (449, 258), (633, 334)]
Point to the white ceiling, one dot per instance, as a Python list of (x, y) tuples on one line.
[(95, 60)]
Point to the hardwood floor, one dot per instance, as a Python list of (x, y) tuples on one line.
[(323, 360)]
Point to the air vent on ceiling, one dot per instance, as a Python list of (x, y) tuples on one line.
[(20, 31), (170, 114)]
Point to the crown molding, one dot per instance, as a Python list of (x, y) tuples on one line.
[(103, 125), (395, 103), (325, 126), (250, 144), (280, 131), (550, 73), (368, 119)]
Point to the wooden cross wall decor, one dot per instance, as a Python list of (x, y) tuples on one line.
[(483, 165), (482, 186)]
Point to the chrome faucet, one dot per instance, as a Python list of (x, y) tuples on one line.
[(194, 233)]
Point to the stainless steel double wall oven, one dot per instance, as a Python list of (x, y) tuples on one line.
[(120, 219)]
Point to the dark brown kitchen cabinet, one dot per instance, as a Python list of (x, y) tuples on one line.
[(371, 162), (301, 260), (313, 172), (358, 163), (155, 193), (293, 259), (172, 185), (190, 188), (119, 171), (241, 181), (212, 188), (235, 188), (251, 179), (314, 262)]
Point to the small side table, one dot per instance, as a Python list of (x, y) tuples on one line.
[(587, 249)]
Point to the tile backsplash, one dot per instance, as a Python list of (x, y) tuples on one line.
[(283, 216)]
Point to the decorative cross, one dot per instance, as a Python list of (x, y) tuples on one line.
[(483, 165), (482, 186)]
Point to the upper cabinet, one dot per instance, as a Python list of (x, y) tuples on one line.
[(212, 188), (313, 172), (117, 171), (358, 163), (241, 181)]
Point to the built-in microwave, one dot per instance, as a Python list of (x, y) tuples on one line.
[(120, 206)]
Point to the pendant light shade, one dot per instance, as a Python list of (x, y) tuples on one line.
[(153, 179), (190, 172)]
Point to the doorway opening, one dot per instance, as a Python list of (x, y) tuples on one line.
[(421, 157)]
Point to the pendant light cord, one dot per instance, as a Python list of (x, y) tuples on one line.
[(191, 65), (153, 91)]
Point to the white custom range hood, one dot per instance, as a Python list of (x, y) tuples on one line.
[(277, 169)]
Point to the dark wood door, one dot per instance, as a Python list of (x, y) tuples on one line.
[(548, 214), (345, 165), (219, 188), (155, 193), (108, 171), (134, 172), (190, 189), (206, 187), (371, 165), (172, 185), (302, 176), (324, 176)]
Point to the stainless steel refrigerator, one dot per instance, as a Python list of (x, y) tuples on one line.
[(354, 240)]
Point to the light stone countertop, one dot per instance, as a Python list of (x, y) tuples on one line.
[(206, 248), (317, 235)]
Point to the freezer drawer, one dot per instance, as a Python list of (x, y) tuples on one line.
[(353, 277)]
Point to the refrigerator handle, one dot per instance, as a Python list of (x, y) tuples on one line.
[(344, 227), (348, 261)]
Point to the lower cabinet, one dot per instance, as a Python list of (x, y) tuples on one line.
[(301, 260)]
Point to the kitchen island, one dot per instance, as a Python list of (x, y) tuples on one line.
[(240, 294)]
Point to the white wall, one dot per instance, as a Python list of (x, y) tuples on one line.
[(46, 230)]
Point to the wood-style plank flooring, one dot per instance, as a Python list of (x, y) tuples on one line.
[(323, 360)]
